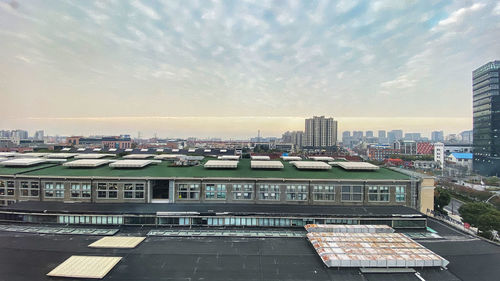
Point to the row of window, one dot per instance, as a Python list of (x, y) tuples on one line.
[(349, 193), (77, 190)]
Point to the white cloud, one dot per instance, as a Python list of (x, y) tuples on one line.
[(146, 10), (401, 82), (458, 15)]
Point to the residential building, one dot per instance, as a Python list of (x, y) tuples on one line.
[(486, 124), (394, 135), (320, 132), (382, 134), (357, 135), (439, 153), (466, 136), (39, 135), (437, 136), (412, 136), (369, 134)]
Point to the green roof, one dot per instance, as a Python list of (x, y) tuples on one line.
[(243, 171), (6, 171)]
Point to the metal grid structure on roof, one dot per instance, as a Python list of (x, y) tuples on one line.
[(112, 149), (260, 157), (348, 249), (229, 157), (291, 158), (81, 149), (255, 164), (3, 159), (221, 164), (97, 149), (310, 165), (61, 155), (159, 150), (191, 150), (129, 150), (66, 149), (130, 163), (223, 150), (92, 155), (322, 158), (335, 228), (86, 163), (357, 166), (23, 162), (138, 156), (85, 267), (175, 150), (207, 150), (144, 150), (8, 154)]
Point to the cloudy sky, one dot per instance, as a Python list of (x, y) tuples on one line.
[(228, 68)]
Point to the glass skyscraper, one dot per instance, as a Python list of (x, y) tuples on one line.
[(486, 108)]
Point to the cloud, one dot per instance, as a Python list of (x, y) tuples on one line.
[(458, 15), (146, 10), (401, 82)]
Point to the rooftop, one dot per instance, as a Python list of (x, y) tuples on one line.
[(163, 170)]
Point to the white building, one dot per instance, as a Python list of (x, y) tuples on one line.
[(439, 153)]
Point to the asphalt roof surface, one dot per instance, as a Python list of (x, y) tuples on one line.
[(162, 170), (238, 208), (30, 256)]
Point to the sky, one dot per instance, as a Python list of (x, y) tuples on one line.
[(229, 68)]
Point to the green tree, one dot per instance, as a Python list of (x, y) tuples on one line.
[(441, 199), (489, 221), (470, 212)]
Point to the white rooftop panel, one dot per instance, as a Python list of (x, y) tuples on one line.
[(86, 163), (175, 150), (138, 156), (23, 162), (291, 158), (159, 150), (85, 267), (221, 164), (8, 154), (255, 164), (130, 163), (33, 154), (310, 165), (97, 149), (60, 155), (92, 156), (66, 149), (144, 150), (169, 156), (357, 166), (260, 157), (322, 158), (3, 159), (223, 150), (112, 149), (229, 157), (191, 150), (81, 149), (207, 150), (129, 150), (124, 242)]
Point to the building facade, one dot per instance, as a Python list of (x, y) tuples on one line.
[(320, 132), (486, 123)]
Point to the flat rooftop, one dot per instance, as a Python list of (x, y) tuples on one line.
[(25, 256), (163, 170)]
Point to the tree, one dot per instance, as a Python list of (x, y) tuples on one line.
[(489, 221), (470, 212), (441, 199)]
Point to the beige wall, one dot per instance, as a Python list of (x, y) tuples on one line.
[(427, 194)]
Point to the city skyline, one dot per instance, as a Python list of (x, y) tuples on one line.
[(365, 61)]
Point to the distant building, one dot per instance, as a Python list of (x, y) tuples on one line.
[(466, 136), (39, 135), (380, 152), (295, 137), (394, 135), (425, 148), (381, 134), (439, 153), (320, 132), (369, 134), (358, 135), (458, 164), (413, 136), (406, 147), (437, 136), (106, 142)]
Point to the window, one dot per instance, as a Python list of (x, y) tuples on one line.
[(54, 190), (215, 191), (7, 188), (400, 194), (378, 193), (30, 189), (269, 192), (353, 193), (242, 191), (80, 190), (107, 190), (296, 192), (132, 191), (324, 193), (189, 191)]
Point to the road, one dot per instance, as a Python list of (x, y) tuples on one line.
[(452, 208)]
